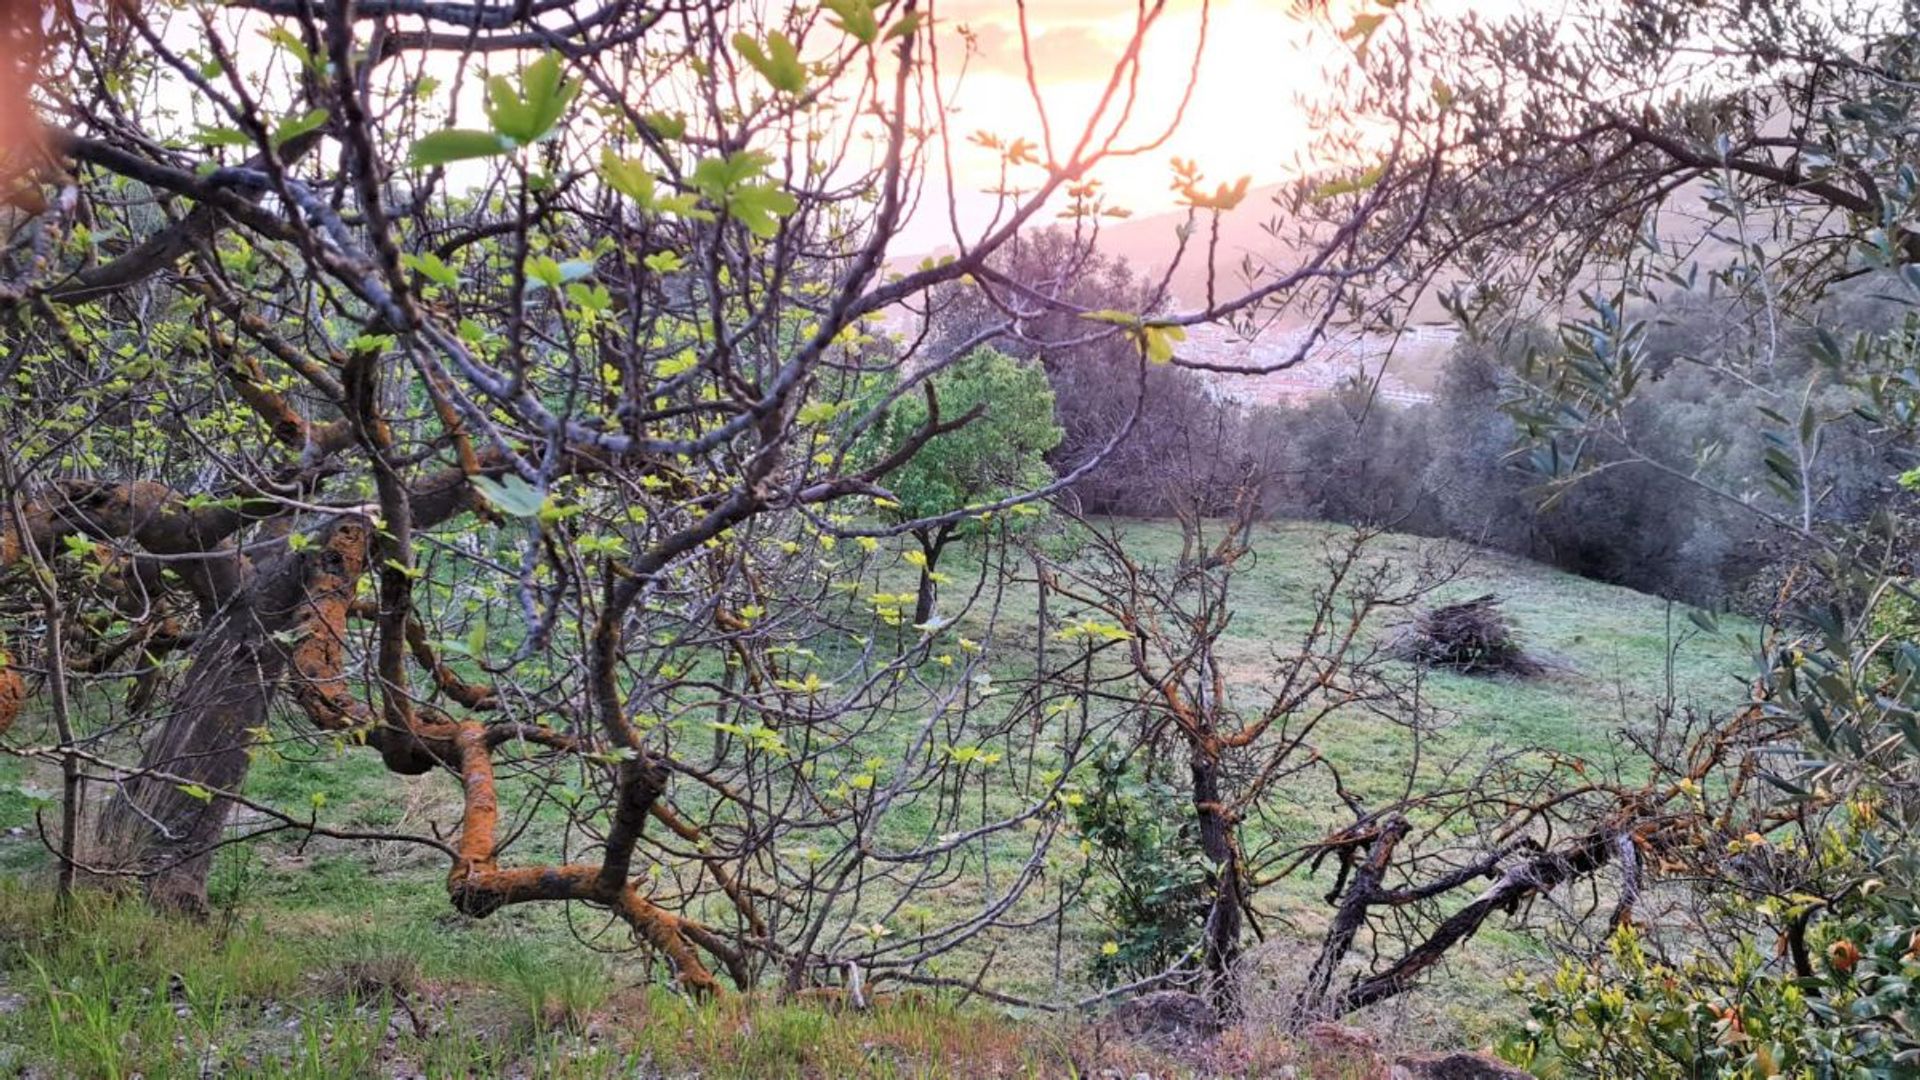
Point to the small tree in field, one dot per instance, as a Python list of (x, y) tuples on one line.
[(1000, 453)]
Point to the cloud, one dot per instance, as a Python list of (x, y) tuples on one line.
[(1072, 52)]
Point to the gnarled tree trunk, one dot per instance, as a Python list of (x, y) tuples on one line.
[(165, 824)]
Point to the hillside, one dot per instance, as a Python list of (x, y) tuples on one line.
[(334, 958)]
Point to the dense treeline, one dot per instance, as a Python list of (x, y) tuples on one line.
[(1448, 467)]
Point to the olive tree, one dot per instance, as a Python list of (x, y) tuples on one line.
[(1597, 164)]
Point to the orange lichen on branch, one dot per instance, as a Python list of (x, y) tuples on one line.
[(479, 888), (318, 656), (482, 815), (243, 373), (441, 395), (470, 695), (38, 522), (480, 894), (250, 381), (11, 546), (13, 692)]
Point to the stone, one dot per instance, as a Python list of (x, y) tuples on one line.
[(1342, 1049)]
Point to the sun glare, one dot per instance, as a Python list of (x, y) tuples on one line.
[(1243, 117)]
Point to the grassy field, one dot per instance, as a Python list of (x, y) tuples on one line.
[(330, 959)]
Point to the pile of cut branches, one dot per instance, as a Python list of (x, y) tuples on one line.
[(1473, 637)]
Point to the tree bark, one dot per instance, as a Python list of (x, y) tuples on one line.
[(931, 545), (1225, 917), (165, 828), (162, 829), (1363, 872)]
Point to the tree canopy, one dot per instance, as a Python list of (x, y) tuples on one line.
[(473, 379), (1000, 453)]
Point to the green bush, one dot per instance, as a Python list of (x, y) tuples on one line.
[(1153, 895), (1853, 1014)]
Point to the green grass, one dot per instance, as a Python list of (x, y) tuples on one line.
[(110, 990), (1615, 657), (315, 944)]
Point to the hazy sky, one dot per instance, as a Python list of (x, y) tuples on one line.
[(1242, 121), (1259, 58)]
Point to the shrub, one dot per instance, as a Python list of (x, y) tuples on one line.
[(1634, 1018), (1153, 891), (1683, 528), (1353, 459)]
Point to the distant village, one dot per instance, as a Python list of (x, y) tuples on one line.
[(1401, 367)]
